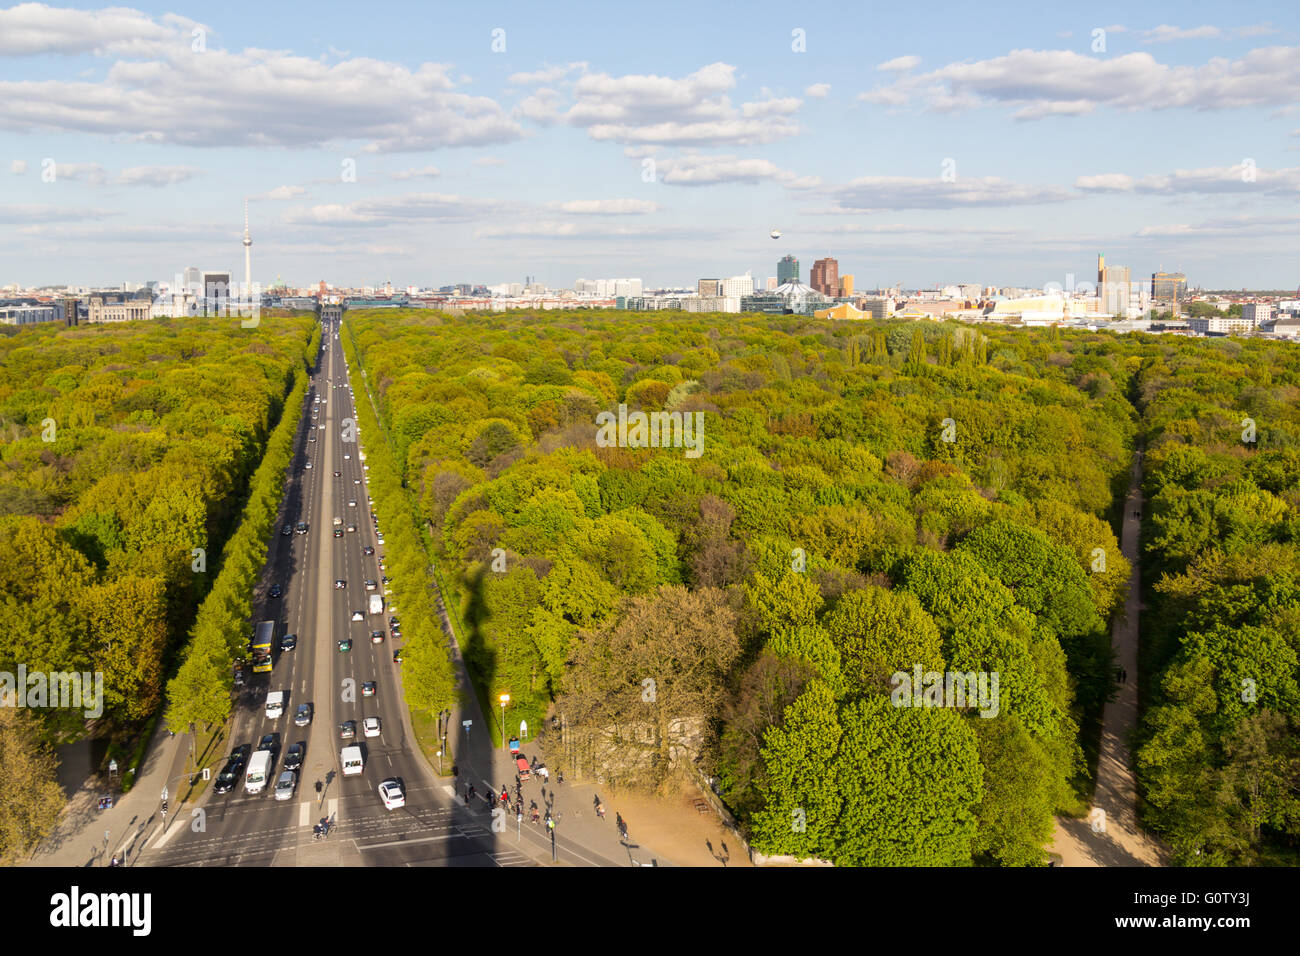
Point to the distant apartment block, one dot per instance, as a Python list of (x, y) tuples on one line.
[(738, 286), (1256, 313), (1220, 324), (825, 277), (708, 287), (28, 314)]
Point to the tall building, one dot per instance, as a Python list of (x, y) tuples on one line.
[(248, 261), (1114, 289), (846, 286), (1168, 286), (216, 293), (708, 287), (738, 286), (193, 280), (825, 276), (787, 270)]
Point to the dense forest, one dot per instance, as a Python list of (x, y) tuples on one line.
[(1220, 755), (123, 449), (867, 500)]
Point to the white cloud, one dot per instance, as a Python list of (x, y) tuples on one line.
[(818, 91), (92, 173), (1213, 180), (547, 75), (1042, 83), (1165, 33), (24, 214), (898, 192), (606, 207), (388, 211), (554, 229), (18, 167), (543, 106), (156, 175), (31, 29), (700, 170), (283, 192), (249, 98), (489, 161), (900, 64), (426, 172), (694, 110)]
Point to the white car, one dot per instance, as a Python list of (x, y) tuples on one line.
[(390, 791), (321, 427), (371, 726), (358, 616), (347, 457), (352, 503)]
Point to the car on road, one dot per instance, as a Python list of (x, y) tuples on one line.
[(367, 550), (347, 730), (285, 786), (358, 616), (379, 538), (338, 532), (368, 689), (356, 481), (309, 438), (301, 527), (269, 742), (321, 427), (352, 528), (303, 717), (391, 792), (352, 502), (345, 644), (376, 637), (394, 622), (397, 633), (306, 464), (288, 642), (337, 474), (347, 457), (287, 530), (371, 726), (340, 584), (276, 590), (294, 755), (370, 585), (233, 769)]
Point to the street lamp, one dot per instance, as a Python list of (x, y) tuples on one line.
[(505, 699)]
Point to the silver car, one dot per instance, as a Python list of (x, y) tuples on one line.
[(285, 786)]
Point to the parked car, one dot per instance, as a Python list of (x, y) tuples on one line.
[(287, 530), (276, 590), (288, 642)]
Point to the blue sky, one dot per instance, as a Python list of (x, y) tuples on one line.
[(1005, 144)]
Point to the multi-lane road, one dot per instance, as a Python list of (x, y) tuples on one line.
[(238, 828)]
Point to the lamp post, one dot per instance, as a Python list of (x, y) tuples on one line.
[(505, 699)]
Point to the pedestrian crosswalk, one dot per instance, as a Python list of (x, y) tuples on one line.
[(310, 811)]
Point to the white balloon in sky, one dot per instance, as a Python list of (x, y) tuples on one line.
[(776, 233)]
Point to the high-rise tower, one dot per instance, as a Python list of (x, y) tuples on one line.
[(248, 260)]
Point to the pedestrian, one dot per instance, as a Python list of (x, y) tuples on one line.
[(559, 776)]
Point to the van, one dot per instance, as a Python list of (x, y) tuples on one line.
[(275, 704), (338, 522), (259, 768), (376, 604), (351, 760)]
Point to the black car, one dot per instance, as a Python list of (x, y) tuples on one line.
[(367, 550), (269, 742), (276, 590), (288, 642), (293, 757), (301, 528), (397, 657), (233, 770), (338, 532), (286, 530), (394, 622)]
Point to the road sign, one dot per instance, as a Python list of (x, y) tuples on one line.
[(523, 728), (466, 723), (112, 766)]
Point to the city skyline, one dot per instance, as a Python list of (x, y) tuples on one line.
[(513, 143)]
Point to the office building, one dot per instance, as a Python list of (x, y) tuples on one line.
[(846, 286), (27, 314), (738, 286), (787, 270), (216, 293), (825, 276), (708, 287), (1168, 286), (1114, 288), (1255, 314)]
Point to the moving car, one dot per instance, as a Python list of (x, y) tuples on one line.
[(347, 457), (370, 585), (306, 464), (338, 532), (276, 590), (367, 550), (352, 503), (288, 642), (340, 584), (303, 717), (376, 637), (347, 730), (311, 437), (368, 689), (352, 528), (345, 644), (233, 769), (285, 786), (337, 475), (269, 742), (287, 530), (371, 726), (390, 791), (301, 528), (358, 616), (293, 756)]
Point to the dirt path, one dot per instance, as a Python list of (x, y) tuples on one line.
[(1110, 836)]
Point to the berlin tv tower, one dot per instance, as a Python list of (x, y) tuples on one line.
[(248, 244)]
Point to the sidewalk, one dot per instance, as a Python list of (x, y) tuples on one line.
[(1112, 837), (79, 840)]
